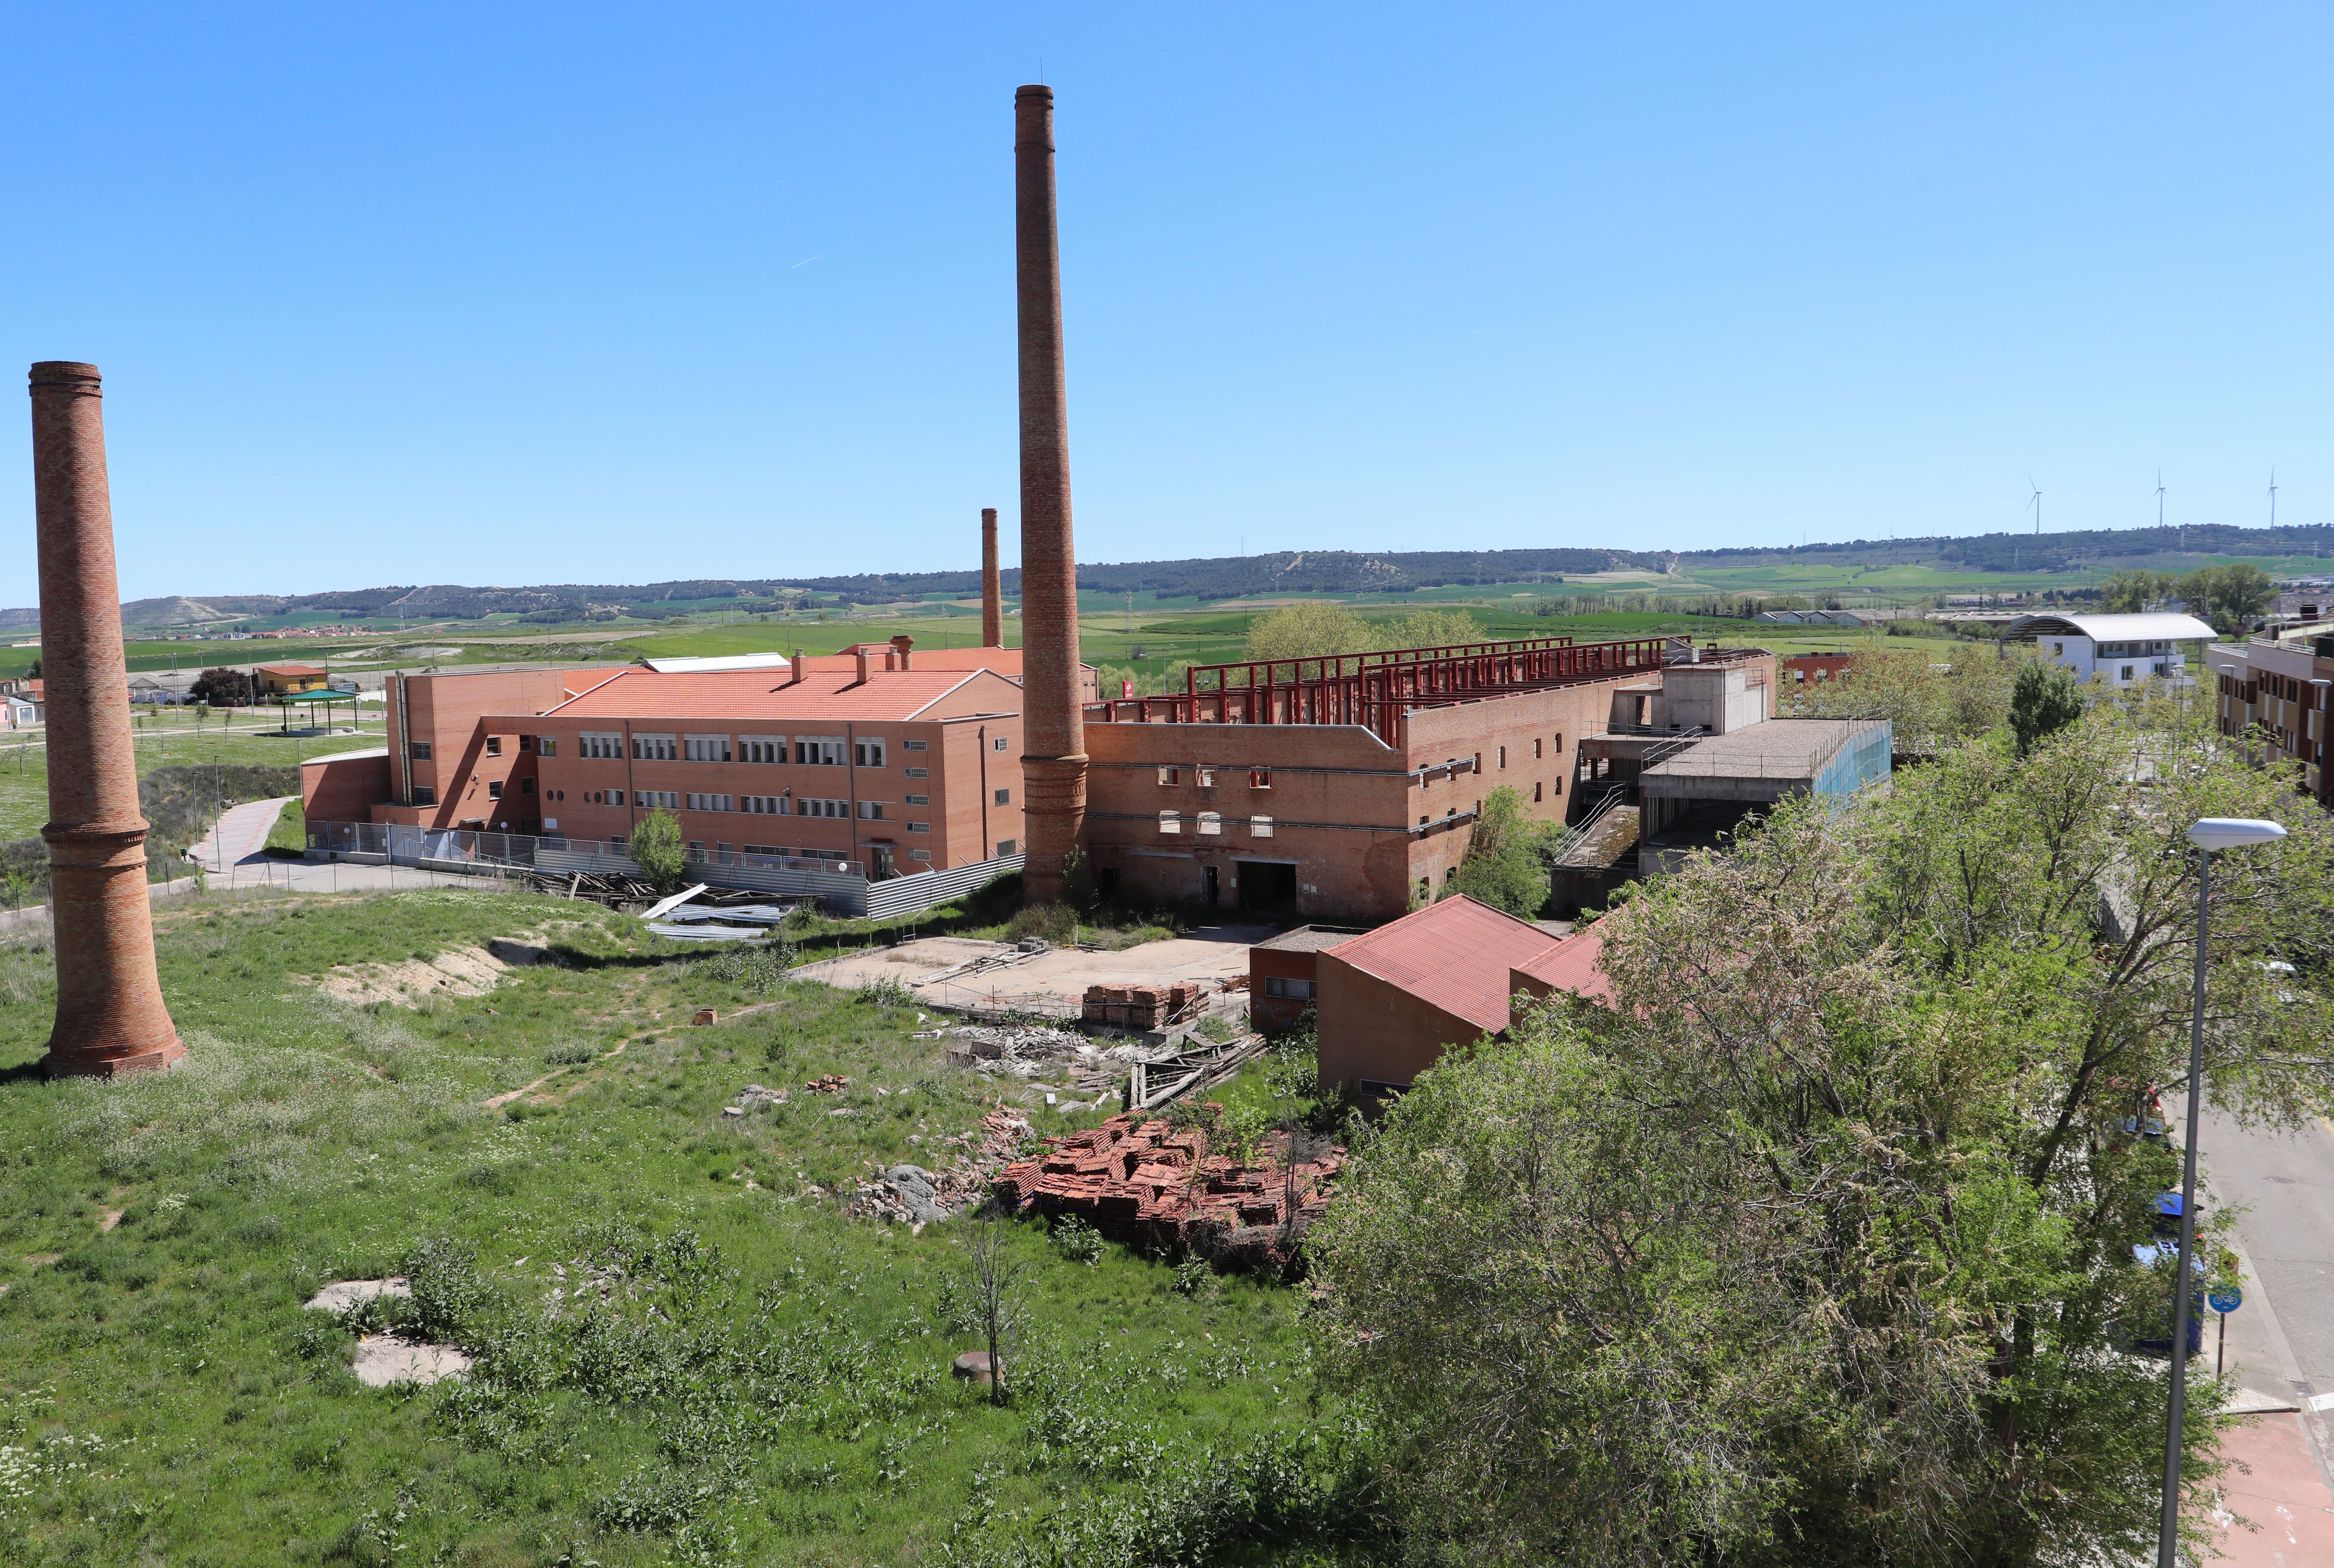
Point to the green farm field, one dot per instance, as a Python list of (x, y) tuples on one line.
[(690, 1351)]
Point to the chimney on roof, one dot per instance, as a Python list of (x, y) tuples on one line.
[(993, 592), (866, 664), (903, 645), (1054, 760), (111, 1019), (799, 669)]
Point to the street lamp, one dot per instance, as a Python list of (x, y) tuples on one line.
[(2209, 834)]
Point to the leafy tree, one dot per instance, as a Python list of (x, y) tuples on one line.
[(224, 688), (659, 851), (2130, 593), (1814, 1246), (1503, 866), (2044, 699), (1433, 629), (2230, 597), (1309, 628), (1933, 705)]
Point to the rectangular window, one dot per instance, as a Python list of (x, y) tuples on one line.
[(709, 747), (763, 805), (1167, 775), (1560, 742), (998, 745), (911, 745), (1205, 777), (708, 803), (1503, 756), (1210, 823), (1259, 827), (1169, 822), (527, 743), (1004, 846), (920, 800), (656, 747), (919, 772), (1536, 789), (1295, 990), (819, 751), (1536, 750), (420, 751), (547, 746), (868, 753), (1004, 797), (1259, 778), (871, 811), (423, 795), (493, 746), (765, 850), (651, 800), (920, 854), (762, 749), (592, 743), (920, 827), (821, 808), (493, 789), (526, 786)]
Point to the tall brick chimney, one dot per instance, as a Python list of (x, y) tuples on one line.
[(110, 1018), (1053, 759), (992, 593)]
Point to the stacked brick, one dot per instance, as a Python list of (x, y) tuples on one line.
[(1139, 1007), (1139, 1180)]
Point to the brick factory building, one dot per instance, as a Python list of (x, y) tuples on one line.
[(898, 769), (1347, 788)]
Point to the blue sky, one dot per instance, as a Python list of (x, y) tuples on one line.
[(585, 293)]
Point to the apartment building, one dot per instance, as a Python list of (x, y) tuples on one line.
[(2115, 649), (896, 769), (2279, 691)]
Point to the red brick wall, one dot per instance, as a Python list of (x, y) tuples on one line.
[(1277, 1015), (445, 712), (343, 789), (1370, 1029)]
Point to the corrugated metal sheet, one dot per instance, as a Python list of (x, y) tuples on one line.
[(1454, 955), (1571, 966), (928, 889)]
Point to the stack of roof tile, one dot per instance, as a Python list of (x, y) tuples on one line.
[(1138, 1006), (1140, 1180)]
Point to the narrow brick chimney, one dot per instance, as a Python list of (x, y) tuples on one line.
[(866, 663), (902, 646), (1053, 759), (799, 668), (992, 594), (111, 1019)]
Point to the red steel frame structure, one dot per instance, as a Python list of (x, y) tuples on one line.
[(1375, 689)]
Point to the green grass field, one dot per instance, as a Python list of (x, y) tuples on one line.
[(764, 1379)]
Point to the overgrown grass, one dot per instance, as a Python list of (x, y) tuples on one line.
[(765, 1379)]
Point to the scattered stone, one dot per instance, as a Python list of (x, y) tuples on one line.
[(342, 1295), (977, 1366), (918, 1193), (832, 1083), (733, 1111), (754, 1094), (385, 1359), (706, 1015)]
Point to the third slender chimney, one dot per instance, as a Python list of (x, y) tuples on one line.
[(109, 1013), (992, 594), (1053, 757)]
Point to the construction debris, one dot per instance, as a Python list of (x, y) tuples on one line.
[(832, 1083), (1141, 1007), (1142, 1181), (911, 1194)]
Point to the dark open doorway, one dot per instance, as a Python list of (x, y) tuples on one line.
[(1268, 887)]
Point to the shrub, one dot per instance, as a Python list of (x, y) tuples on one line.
[(1077, 1241), (659, 851)]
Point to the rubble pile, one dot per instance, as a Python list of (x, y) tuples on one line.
[(832, 1083), (1140, 1006), (910, 1194), (1141, 1180), (1064, 1058)]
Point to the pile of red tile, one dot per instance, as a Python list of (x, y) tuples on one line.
[(1139, 1007), (832, 1083), (1138, 1179)]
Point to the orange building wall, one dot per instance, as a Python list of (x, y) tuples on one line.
[(343, 789), (1373, 1030)]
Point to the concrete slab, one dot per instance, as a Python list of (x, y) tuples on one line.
[(385, 1359), (1053, 983), (343, 1293)]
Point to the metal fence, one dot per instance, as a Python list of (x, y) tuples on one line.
[(839, 886)]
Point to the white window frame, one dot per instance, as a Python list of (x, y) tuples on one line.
[(868, 751), (706, 747), (761, 748), (655, 748), (711, 803), (913, 746), (920, 827), (1210, 824), (871, 811), (1168, 777), (1171, 822), (918, 772), (821, 750), (603, 744), (1259, 827), (920, 800)]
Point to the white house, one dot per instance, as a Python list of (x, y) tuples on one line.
[(2115, 650), (18, 712)]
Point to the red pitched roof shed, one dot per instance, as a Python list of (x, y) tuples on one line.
[(1570, 966), (1453, 955)]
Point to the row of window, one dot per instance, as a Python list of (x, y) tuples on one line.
[(1209, 823), (808, 750)]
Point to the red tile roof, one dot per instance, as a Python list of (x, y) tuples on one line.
[(1455, 954), (291, 669), (1571, 966), (772, 695)]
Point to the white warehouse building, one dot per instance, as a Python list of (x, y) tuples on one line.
[(2115, 650)]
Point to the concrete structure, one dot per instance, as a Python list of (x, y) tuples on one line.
[(1691, 800), (900, 770), (110, 1017), (1347, 789), (282, 679), (2115, 650), (992, 589), (1392, 1001), (1056, 765), (1284, 975), (2278, 693), (1813, 618)]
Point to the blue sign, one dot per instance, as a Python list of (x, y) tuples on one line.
[(2227, 1299)]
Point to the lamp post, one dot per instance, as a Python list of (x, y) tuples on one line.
[(2209, 834)]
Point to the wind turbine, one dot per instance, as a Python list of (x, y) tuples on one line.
[(2159, 497), (2272, 497), (2035, 500)]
